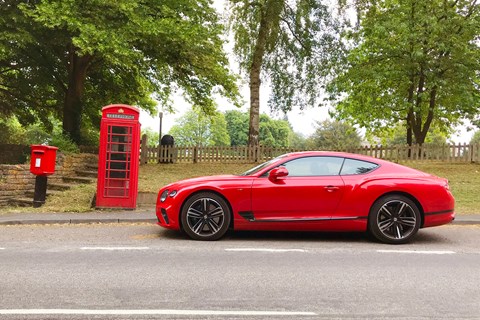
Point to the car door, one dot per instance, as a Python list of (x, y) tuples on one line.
[(312, 190)]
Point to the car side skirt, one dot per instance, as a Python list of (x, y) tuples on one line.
[(248, 222)]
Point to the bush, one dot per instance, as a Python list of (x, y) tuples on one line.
[(11, 131)]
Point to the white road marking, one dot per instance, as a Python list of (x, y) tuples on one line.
[(418, 252), (114, 248), (264, 250), (152, 312)]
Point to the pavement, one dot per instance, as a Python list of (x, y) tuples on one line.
[(104, 216), (130, 216)]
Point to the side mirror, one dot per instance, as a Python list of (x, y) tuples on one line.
[(278, 174)]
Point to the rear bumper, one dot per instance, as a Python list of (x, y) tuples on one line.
[(438, 218)]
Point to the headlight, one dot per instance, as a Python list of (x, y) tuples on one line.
[(173, 193), (164, 195)]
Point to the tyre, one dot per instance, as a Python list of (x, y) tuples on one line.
[(205, 216), (394, 219)]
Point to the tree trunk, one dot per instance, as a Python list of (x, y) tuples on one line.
[(267, 12), (409, 120), (255, 82), (73, 106), (428, 121)]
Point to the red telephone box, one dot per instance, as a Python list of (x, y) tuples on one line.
[(118, 157)]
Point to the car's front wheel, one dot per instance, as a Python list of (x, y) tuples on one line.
[(394, 219), (205, 216)]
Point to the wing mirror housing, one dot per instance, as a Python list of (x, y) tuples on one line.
[(278, 174)]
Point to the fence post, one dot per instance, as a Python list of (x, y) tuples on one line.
[(143, 150), (475, 152)]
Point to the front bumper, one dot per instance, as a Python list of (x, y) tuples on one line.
[(166, 218)]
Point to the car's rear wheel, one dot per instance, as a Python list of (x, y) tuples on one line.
[(205, 216), (394, 219)]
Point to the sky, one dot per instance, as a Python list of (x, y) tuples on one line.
[(302, 121)]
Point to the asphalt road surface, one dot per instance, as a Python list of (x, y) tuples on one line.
[(145, 272)]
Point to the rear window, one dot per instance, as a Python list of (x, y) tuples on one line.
[(351, 166)]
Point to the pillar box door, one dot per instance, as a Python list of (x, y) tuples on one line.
[(118, 157)]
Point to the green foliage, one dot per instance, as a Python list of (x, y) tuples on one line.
[(152, 137), (195, 128), (237, 127), (67, 58), (475, 138), (298, 140), (396, 136), (334, 135), (411, 61), (273, 133), (12, 132)]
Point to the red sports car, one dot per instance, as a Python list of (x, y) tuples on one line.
[(310, 191)]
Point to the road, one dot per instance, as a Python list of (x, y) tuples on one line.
[(144, 272)]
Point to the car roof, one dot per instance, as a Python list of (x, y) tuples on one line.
[(333, 154)]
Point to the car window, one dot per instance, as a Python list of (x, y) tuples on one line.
[(263, 165), (314, 166), (352, 166)]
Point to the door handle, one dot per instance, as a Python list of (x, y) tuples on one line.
[(331, 188)]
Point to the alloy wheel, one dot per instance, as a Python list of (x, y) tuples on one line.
[(205, 217), (397, 220)]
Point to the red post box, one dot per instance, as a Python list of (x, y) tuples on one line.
[(118, 157), (42, 161), (42, 164)]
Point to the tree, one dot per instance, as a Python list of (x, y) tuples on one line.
[(292, 43), (415, 62), (272, 133), (297, 140), (152, 137), (237, 126), (68, 58), (195, 128), (396, 136), (475, 138), (334, 135)]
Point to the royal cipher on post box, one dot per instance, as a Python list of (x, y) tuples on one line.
[(118, 157), (42, 160)]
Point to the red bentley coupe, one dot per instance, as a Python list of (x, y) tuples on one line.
[(310, 191)]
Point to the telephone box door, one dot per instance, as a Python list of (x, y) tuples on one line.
[(118, 158)]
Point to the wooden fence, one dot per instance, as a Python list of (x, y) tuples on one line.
[(242, 154)]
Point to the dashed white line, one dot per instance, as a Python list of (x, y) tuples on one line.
[(417, 251), (152, 312), (115, 248), (264, 250)]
